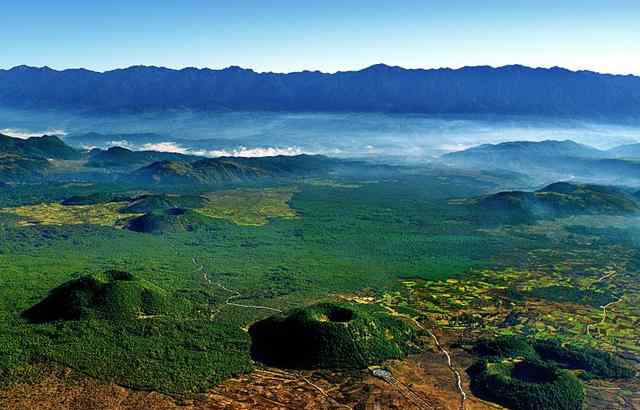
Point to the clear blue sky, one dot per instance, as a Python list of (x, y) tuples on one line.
[(326, 35)]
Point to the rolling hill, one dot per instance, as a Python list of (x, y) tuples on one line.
[(230, 169), (558, 200), (549, 160)]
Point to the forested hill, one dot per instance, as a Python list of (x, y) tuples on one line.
[(47, 146), (505, 90)]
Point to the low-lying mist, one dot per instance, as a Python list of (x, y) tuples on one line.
[(385, 137)]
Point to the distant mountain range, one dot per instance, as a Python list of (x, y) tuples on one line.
[(380, 88)]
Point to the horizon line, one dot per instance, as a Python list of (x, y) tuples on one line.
[(377, 65)]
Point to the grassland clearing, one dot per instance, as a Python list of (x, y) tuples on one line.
[(250, 207), (58, 214)]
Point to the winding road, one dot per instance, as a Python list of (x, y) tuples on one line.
[(604, 315), (456, 373), (413, 396), (236, 294)]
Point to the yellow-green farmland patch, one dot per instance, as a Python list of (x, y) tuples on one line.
[(249, 206), (58, 214)]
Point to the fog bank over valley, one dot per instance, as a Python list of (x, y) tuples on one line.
[(388, 137)]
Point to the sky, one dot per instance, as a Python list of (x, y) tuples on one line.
[(328, 35)]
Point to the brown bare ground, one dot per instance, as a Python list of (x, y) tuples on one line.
[(425, 383)]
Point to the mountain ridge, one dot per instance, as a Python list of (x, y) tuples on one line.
[(376, 66), (512, 89), (230, 169), (117, 156)]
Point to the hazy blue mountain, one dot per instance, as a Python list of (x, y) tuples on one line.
[(548, 160), (505, 90), (117, 157), (520, 153), (231, 169), (625, 151), (523, 156)]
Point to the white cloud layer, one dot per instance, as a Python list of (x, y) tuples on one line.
[(240, 151), (251, 152), (22, 134)]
